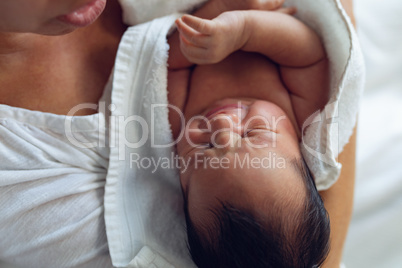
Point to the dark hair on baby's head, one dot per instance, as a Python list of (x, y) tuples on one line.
[(287, 239)]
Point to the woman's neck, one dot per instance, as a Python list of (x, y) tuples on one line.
[(55, 73)]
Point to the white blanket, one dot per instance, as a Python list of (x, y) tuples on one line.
[(143, 206)]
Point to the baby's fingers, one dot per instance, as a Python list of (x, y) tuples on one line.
[(191, 36), (203, 26)]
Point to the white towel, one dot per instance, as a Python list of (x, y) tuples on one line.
[(143, 207), (329, 131)]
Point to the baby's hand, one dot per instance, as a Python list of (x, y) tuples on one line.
[(205, 41), (210, 41)]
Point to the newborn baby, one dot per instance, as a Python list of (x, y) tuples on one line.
[(250, 200)]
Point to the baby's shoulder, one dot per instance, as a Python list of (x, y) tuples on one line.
[(308, 88)]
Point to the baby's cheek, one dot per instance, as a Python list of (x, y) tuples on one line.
[(180, 148), (183, 183), (194, 138)]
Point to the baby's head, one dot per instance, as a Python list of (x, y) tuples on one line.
[(250, 200)]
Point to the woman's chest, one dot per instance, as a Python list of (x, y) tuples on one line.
[(56, 88)]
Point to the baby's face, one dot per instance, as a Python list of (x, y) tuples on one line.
[(239, 151), (44, 16)]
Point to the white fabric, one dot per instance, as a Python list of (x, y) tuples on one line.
[(143, 207), (143, 210), (146, 258), (329, 131), (375, 233), (51, 192)]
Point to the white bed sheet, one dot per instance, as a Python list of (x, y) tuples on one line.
[(375, 235)]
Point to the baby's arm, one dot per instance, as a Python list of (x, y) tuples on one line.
[(210, 10), (285, 40), (179, 73), (277, 35)]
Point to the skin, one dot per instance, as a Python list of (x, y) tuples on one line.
[(39, 16), (292, 51), (232, 135), (294, 48), (338, 199), (55, 83)]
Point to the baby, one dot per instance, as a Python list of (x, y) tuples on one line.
[(250, 200)]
